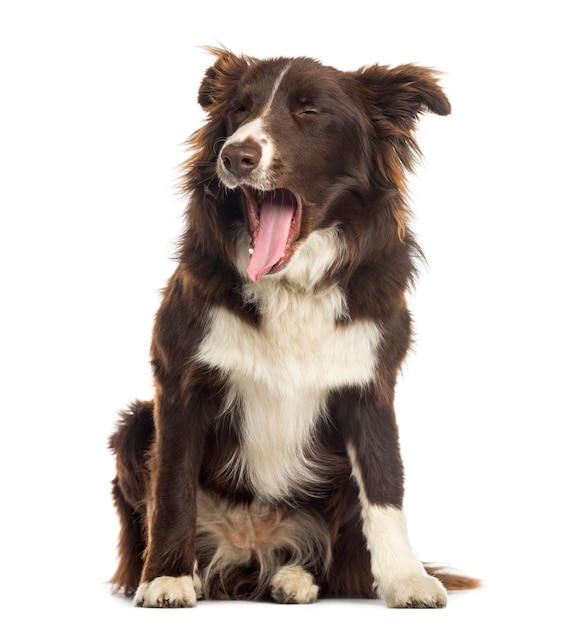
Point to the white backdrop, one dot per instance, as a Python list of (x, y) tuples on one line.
[(97, 100)]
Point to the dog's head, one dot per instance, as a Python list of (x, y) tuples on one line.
[(307, 145)]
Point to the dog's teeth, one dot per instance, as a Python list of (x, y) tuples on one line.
[(251, 251)]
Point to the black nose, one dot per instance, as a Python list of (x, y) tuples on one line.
[(241, 158)]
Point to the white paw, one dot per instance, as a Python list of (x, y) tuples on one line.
[(293, 585), (169, 591), (416, 592)]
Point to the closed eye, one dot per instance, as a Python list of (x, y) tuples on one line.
[(308, 112)]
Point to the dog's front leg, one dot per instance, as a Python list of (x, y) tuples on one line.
[(373, 450), (169, 577)]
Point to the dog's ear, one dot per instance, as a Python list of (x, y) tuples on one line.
[(217, 87), (403, 92), (221, 79), (395, 98)]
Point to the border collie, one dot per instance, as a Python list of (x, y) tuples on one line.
[(268, 464)]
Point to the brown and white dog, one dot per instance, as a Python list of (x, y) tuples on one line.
[(268, 463)]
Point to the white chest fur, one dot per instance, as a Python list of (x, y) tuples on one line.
[(280, 374)]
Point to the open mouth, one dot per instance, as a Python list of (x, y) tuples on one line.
[(274, 220)]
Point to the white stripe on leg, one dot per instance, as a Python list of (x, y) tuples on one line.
[(398, 575)]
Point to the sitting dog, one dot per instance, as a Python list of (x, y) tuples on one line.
[(268, 464)]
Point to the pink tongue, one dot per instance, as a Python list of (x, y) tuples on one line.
[(276, 215)]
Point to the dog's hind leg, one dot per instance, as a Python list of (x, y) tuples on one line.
[(131, 544), (130, 443), (292, 584)]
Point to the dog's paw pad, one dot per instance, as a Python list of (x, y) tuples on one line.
[(293, 585), (418, 592), (167, 592)]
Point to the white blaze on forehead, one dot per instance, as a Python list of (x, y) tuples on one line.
[(254, 130), (275, 90)]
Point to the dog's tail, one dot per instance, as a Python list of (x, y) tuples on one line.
[(130, 443), (452, 581)]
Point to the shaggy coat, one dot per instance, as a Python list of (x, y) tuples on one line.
[(268, 463)]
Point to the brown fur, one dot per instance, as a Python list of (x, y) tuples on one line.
[(171, 452)]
